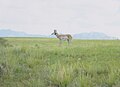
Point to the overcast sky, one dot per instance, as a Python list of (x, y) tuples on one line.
[(66, 16)]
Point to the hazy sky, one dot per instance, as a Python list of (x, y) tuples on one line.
[(66, 16)]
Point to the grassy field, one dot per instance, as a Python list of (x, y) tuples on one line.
[(41, 62)]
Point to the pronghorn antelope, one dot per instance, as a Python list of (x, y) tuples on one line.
[(62, 37)]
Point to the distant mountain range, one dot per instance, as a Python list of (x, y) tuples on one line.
[(91, 35), (11, 33)]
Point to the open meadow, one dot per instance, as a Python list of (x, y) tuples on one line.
[(41, 62)]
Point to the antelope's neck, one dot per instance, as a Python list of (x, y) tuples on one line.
[(57, 35)]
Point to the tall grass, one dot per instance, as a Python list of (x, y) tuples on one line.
[(40, 62)]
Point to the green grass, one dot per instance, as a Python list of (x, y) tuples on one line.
[(41, 62)]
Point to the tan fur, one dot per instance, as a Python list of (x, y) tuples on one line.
[(62, 37)]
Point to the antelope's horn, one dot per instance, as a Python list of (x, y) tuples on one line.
[(55, 31)]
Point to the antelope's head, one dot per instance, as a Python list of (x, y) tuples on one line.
[(54, 33)]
